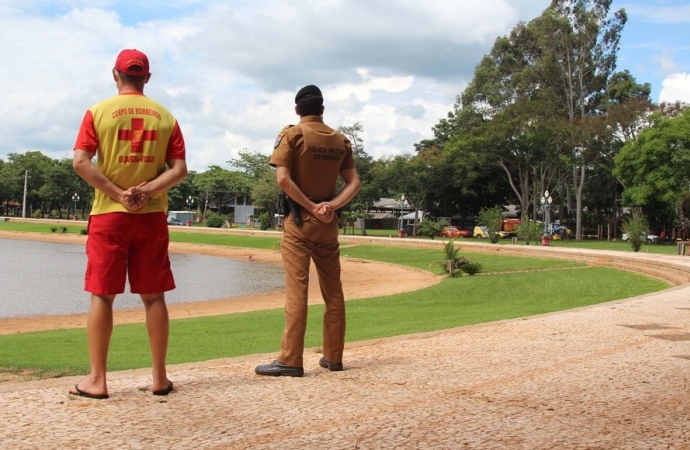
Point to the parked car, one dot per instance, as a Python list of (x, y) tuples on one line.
[(480, 232), (409, 230), (452, 232), (173, 221), (483, 233), (559, 232), (649, 238)]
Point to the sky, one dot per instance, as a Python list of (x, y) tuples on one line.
[(229, 69)]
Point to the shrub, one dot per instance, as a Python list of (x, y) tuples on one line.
[(53, 229), (455, 273), (492, 219), (454, 264), (471, 268), (529, 230), (37, 214), (214, 221), (265, 221), (83, 232), (62, 229), (636, 228), (429, 228)]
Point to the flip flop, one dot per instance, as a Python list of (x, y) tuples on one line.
[(81, 393), (165, 391)]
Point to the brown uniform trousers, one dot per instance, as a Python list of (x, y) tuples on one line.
[(318, 241)]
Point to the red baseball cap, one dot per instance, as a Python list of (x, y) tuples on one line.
[(132, 62)]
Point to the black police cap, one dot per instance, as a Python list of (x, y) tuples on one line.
[(308, 91)]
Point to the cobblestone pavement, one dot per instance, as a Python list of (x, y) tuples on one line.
[(610, 376)]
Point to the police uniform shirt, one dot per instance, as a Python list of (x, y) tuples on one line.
[(315, 154)]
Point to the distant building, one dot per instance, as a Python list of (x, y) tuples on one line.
[(237, 205), (182, 216)]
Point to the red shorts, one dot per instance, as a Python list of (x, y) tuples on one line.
[(123, 244)]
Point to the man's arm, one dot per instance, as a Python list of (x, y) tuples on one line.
[(288, 186), (177, 171), (81, 162), (349, 189)]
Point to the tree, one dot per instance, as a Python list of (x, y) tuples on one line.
[(654, 169), (265, 193), (369, 191), (625, 108), (220, 185), (581, 41), (61, 182), (519, 121), (636, 228), (178, 195), (35, 164), (430, 228), (492, 219), (534, 94), (11, 186), (464, 176), (255, 165)]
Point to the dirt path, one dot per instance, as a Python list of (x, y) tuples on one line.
[(361, 279)]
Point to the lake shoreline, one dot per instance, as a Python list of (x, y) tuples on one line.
[(361, 279)]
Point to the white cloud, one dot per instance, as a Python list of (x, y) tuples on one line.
[(676, 88), (667, 63)]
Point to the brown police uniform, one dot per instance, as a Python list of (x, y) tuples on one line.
[(315, 155)]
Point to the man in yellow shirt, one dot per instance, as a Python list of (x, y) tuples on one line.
[(133, 138)]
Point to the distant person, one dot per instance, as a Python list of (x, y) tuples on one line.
[(308, 158), (133, 139)]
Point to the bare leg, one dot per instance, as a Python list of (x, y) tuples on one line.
[(99, 328), (157, 325)]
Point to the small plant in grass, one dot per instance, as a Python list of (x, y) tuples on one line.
[(455, 273), (471, 268), (62, 229), (453, 263), (53, 229), (83, 232)]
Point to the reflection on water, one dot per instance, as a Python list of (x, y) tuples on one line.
[(40, 278)]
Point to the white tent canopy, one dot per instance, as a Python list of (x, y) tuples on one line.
[(410, 216)]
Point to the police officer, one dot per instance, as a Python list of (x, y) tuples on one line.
[(308, 158)]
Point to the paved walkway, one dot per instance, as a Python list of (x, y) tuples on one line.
[(611, 376)]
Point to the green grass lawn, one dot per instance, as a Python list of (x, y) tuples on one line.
[(511, 287)]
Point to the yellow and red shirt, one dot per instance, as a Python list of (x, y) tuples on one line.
[(132, 137)]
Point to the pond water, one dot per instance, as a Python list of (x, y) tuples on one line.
[(40, 278)]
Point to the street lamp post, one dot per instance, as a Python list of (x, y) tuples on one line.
[(75, 199), (546, 201), (402, 211), (190, 202)]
